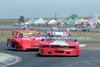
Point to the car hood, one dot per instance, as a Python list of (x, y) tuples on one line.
[(61, 43), (30, 41)]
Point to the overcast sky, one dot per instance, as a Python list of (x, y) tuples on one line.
[(47, 8)]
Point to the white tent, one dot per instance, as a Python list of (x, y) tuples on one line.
[(46, 21), (27, 23), (52, 22), (98, 21)]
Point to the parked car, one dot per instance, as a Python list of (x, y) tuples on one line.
[(72, 29), (85, 29)]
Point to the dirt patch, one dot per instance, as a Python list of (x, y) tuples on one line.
[(6, 32), (87, 34), (92, 47)]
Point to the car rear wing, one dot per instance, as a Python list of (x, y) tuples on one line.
[(14, 32)]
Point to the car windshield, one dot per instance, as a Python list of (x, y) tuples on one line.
[(51, 31), (54, 31), (66, 37), (25, 35)]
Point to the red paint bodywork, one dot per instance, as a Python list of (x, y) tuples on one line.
[(72, 50), (23, 43)]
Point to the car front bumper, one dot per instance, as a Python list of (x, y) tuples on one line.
[(65, 52)]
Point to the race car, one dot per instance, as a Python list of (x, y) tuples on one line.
[(85, 29), (23, 40), (59, 43), (72, 29)]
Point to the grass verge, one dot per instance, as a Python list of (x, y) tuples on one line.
[(92, 47), (80, 36)]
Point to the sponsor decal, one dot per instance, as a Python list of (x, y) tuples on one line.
[(59, 33), (68, 50), (38, 38), (29, 32), (61, 43), (26, 38)]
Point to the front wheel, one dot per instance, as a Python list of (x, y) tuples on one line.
[(77, 56), (8, 45), (14, 48), (13, 45)]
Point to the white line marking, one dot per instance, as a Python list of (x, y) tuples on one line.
[(82, 45), (18, 59)]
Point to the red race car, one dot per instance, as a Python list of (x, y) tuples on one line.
[(23, 40), (59, 43)]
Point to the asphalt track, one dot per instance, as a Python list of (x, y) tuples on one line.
[(87, 58)]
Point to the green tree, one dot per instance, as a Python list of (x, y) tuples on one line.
[(73, 16), (21, 19)]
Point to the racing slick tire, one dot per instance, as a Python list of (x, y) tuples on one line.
[(13, 45), (39, 54), (77, 56), (8, 45)]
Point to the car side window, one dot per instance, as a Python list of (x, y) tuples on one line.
[(17, 34), (45, 34), (21, 35)]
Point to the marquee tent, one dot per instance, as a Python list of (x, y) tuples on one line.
[(39, 21), (76, 19), (52, 21), (98, 22), (46, 21), (92, 20), (30, 21), (80, 21), (69, 21)]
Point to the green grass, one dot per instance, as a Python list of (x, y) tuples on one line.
[(4, 34), (9, 22), (86, 36), (80, 36)]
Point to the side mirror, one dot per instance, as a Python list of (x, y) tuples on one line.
[(42, 40), (15, 36), (75, 40)]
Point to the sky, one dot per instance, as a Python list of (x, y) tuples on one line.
[(11, 9)]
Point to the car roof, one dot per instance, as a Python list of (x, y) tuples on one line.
[(24, 31), (54, 31), (58, 32)]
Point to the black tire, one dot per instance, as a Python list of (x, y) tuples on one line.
[(8, 44), (39, 54), (13, 45), (77, 56), (15, 49)]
